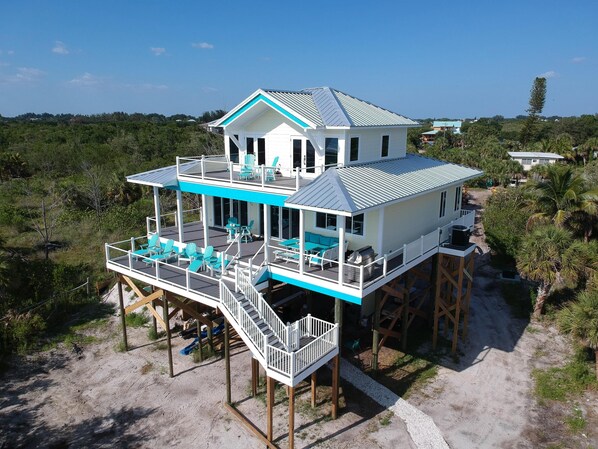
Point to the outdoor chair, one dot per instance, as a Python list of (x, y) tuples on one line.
[(248, 168), (246, 232), (271, 172), (152, 246), (195, 265), (190, 253), (166, 255), (219, 264), (208, 255)]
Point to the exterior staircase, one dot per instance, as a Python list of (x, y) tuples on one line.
[(289, 353)]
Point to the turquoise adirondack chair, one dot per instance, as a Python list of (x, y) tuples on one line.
[(271, 172), (167, 253), (152, 246), (248, 168)]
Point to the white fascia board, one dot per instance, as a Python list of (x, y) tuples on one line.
[(318, 209), (232, 111)]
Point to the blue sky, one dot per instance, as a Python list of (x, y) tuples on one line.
[(421, 59)]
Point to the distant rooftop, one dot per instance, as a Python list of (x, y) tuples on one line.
[(534, 155), (447, 124)]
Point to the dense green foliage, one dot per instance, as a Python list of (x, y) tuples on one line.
[(63, 194)]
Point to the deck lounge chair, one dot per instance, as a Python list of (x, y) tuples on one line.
[(248, 169), (195, 265), (208, 255), (271, 172), (166, 255), (152, 246), (219, 264)]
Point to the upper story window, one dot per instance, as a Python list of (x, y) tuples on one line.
[(331, 152), (234, 149), (442, 204), (326, 221), (354, 225), (249, 147), (385, 142), (458, 198), (354, 154)]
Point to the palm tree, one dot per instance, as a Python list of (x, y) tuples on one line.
[(550, 257), (587, 150), (559, 195), (580, 319)]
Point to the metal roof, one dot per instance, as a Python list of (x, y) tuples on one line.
[(320, 106), (161, 177), (534, 154), (447, 124), (370, 185)]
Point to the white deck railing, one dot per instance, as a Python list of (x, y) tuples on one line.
[(220, 169), (171, 219)]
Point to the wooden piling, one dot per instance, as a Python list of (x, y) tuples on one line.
[(335, 382), (123, 321), (168, 341), (313, 389), (227, 360), (270, 407), (291, 417)]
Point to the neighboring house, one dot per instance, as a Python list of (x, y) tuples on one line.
[(312, 177), (439, 126), (528, 159)]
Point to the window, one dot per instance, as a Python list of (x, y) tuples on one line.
[(442, 203), (354, 225), (385, 140), (326, 221), (249, 141), (234, 149), (331, 152), (457, 198), (354, 155), (526, 161), (261, 151)]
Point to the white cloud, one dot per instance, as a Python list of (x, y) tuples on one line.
[(87, 79), (60, 48), (549, 74), (158, 50), (146, 86), (203, 45), (23, 75), (578, 59), (208, 89)]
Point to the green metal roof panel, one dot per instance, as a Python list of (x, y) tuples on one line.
[(369, 185)]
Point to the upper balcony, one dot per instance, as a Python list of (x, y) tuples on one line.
[(218, 170)]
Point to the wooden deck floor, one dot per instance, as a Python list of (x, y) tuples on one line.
[(285, 182)]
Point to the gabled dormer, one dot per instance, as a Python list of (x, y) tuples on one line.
[(312, 129)]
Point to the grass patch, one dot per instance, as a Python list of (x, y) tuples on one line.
[(561, 383), (153, 334), (576, 422), (136, 319), (161, 346), (120, 347), (517, 296), (386, 419), (206, 351)]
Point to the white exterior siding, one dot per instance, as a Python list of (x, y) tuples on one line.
[(370, 144), (408, 220)]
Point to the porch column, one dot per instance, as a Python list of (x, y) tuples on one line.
[(340, 223), (157, 210), (301, 241), (267, 232), (204, 219), (179, 215)]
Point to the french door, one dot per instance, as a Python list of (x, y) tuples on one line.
[(304, 155), (224, 208), (284, 223)]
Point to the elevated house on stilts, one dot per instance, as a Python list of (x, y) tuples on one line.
[(315, 189)]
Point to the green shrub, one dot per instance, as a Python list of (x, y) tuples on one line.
[(136, 319)]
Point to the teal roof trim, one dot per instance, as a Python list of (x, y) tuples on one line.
[(270, 103), (235, 194), (315, 287)]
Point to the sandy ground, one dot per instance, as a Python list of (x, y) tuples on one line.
[(103, 398), (485, 399)]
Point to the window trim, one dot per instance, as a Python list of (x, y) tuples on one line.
[(458, 193), (349, 229), (387, 146), (326, 221), (351, 148), (442, 204)]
